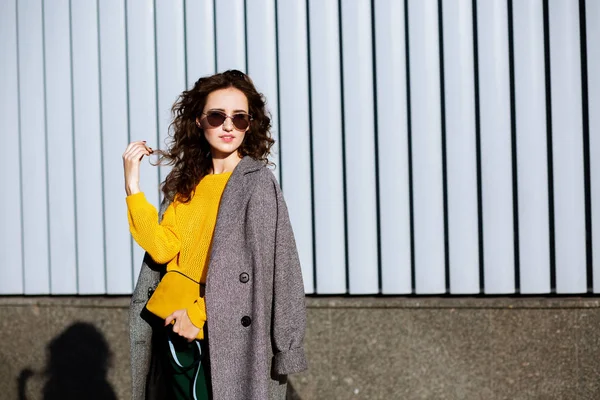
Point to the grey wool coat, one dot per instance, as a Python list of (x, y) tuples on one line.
[(256, 314)]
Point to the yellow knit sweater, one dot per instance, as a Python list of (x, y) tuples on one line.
[(183, 238)]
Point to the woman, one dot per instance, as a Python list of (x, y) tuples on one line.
[(224, 224)]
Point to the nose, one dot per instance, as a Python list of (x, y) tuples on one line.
[(228, 124)]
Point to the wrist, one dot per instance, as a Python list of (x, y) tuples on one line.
[(132, 189)]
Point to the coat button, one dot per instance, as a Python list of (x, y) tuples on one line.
[(244, 277), (246, 321)]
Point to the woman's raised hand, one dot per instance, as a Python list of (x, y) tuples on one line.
[(131, 165)]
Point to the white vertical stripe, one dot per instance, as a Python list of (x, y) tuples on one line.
[(170, 60), (262, 61), (200, 39), (11, 273), (326, 112), (359, 135), (295, 130), (496, 158), (61, 190), (532, 159), (461, 147), (88, 148), (428, 202), (113, 74), (392, 123), (142, 98), (231, 37), (593, 66), (567, 147), (33, 147)]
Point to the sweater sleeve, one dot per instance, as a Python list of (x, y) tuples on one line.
[(160, 240), (197, 314)]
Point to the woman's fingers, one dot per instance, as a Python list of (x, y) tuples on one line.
[(182, 325), (134, 150), (137, 154), (133, 145)]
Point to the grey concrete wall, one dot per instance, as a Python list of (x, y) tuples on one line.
[(358, 348)]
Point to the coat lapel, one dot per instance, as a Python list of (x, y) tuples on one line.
[(235, 196)]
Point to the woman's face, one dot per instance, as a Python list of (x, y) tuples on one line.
[(231, 107)]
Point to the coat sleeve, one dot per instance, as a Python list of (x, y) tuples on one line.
[(289, 310)]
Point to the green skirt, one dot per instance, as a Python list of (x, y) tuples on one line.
[(188, 368)]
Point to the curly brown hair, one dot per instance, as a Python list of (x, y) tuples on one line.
[(189, 152)]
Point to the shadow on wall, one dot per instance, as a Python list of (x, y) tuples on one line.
[(291, 392), (77, 364)]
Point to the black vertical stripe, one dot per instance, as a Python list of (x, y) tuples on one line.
[(215, 34), (246, 36), (549, 147), (341, 49), (376, 146), (513, 138), (278, 91), (185, 41), (19, 127), (586, 145), (48, 221), (101, 130), (156, 91), (131, 242), (409, 135), (73, 148), (443, 149), (311, 141), (478, 150)]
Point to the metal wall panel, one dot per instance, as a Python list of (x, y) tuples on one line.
[(170, 66), (461, 146), (59, 125), (593, 66), (532, 154), (397, 146), (199, 39), (262, 62), (33, 150), (113, 93), (359, 145), (496, 146), (327, 149), (11, 214), (426, 143), (88, 148), (392, 147), (141, 76), (231, 34), (294, 122), (567, 147)]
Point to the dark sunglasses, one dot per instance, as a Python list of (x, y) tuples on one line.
[(240, 121)]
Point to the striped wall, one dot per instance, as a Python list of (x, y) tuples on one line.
[(424, 146)]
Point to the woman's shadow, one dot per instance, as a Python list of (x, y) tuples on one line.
[(78, 361)]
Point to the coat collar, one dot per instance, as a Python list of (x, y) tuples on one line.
[(247, 165), (235, 195)]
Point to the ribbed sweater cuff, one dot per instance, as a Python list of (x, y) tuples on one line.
[(136, 200), (197, 314)]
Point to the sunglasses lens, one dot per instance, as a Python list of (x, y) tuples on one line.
[(241, 121), (215, 119)]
